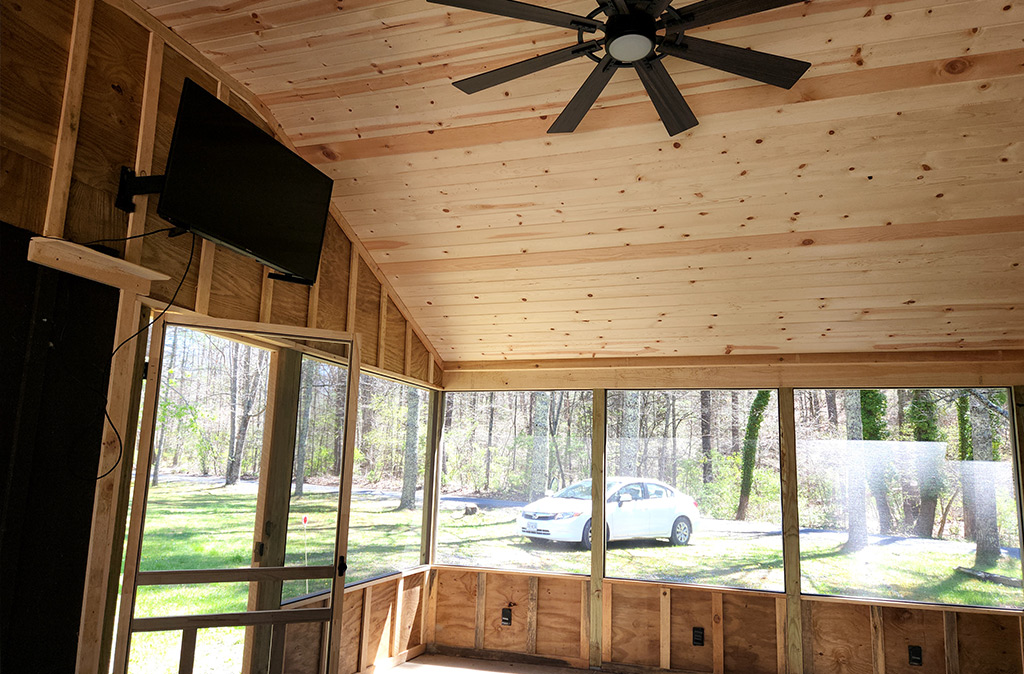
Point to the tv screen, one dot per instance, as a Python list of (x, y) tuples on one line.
[(230, 182)]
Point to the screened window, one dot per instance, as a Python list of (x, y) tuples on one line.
[(707, 506), (908, 494), (386, 521), (515, 487)]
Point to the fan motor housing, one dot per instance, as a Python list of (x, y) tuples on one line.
[(630, 37)]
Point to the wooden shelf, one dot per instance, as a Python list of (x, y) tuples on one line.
[(76, 259)]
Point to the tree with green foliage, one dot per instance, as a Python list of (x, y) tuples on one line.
[(754, 418), (873, 406), (856, 482), (538, 464), (986, 523), (707, 456), (923, 417), (965, 452)]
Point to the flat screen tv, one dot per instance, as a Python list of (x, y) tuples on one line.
[(230, 182)]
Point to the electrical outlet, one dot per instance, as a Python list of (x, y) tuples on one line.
[(698, 636), (506, 616), (916, 656)]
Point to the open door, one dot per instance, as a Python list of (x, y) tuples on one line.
[(228, 545)]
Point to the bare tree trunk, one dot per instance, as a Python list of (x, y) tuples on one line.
[(629, 435), (705, 436), (490, 439), (986, 525), (410, 468), (339, 420), (234, 460), (538, 464), (734, 425), (305, 407), (856, 492), (832, 407)]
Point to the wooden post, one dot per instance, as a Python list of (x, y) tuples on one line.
[(717, 633), (364, 631), (431, 480), (665, 637), (187, 656), (396, 623), (481, 607), (790, 532), (878, 640), (531, 616), (335, 641), (598, 647), (144, 149), (70, 117), (353, 289), (110, 502), (407, 370), (1017, 455), (142, 468), (266, 295), (585, 620), (780, 635), (271, 525), (951, 642), (382, 326)]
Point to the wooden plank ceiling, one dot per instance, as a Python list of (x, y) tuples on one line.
[(878, 205)]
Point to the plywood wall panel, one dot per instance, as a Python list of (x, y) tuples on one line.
[(236, 286), (409, 627), (23, 183), (108, 128), (351, 626), (840, 638), (394, 339), (903, 627), (302, 648), (420, 361), (333, 278), (456, 608), (558, 616), (989, 644), (367, 312), (382, 615), (290, 303), (636, 620), (506, 591), (691, 608), (33, 61), (748, 626)]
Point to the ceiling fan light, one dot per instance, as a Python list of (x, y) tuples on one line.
[(630, 47)]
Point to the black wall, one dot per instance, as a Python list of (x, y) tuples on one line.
[(56, 338)]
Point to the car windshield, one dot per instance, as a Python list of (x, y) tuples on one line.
[(580, 490)]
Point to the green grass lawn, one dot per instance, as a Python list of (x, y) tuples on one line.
[(191, 526)]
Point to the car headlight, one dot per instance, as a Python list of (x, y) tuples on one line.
[(566, 516)]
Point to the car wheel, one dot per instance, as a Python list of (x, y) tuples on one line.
[(585, 540), (680, 531)]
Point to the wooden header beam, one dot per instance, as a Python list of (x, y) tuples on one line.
[(835, 370)]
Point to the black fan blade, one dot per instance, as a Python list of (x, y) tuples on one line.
[(574, 111), (756, 65), (712, 11), (674, 112), (658, 7), (526, 12), (471, 85)]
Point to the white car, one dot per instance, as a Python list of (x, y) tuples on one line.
[(636, 508)]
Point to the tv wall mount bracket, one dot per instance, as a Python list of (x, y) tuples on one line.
[(130, 185)]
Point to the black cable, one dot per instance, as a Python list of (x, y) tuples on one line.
[(129, 238), (120, 440)]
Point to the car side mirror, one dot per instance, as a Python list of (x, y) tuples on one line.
[(625, 498)]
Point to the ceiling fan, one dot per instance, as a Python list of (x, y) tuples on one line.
[(638, 34)]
